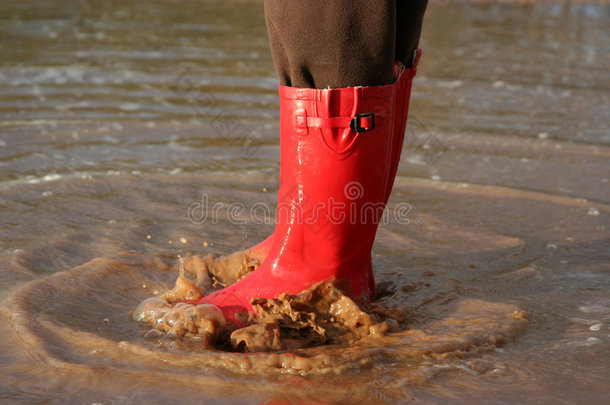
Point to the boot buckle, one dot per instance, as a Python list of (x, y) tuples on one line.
[(363, 122)]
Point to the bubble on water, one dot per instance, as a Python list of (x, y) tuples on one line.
[(110, 139), (129, 106), (595, 327), (211, 312), (592, 308), (51, 177), (543, 135), (151, 310), (450, 85), (153, 334), (205, 320), (593, 340), (593, 211)]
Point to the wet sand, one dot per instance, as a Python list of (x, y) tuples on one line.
[(120, 121)]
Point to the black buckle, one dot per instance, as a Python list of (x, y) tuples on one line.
[(354, 124)]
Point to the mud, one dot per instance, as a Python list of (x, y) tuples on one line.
[(319, 315)]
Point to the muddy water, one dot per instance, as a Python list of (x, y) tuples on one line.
[(121, 120)]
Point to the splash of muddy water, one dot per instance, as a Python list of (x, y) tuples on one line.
[(319, 315), (54, 317)]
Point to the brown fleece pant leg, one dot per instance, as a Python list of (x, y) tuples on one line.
[(341, 43), (409, 21)]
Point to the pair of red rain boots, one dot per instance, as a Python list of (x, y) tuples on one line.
[(339, 152)]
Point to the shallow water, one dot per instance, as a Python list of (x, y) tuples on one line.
[(121, 120)]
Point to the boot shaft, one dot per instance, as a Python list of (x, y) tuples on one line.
[(404, 82), (335, 159)]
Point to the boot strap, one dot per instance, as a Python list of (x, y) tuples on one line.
[(360, 123)]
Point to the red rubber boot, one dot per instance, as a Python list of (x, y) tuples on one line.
[(404, 80), (335, 148), (403, 84)]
